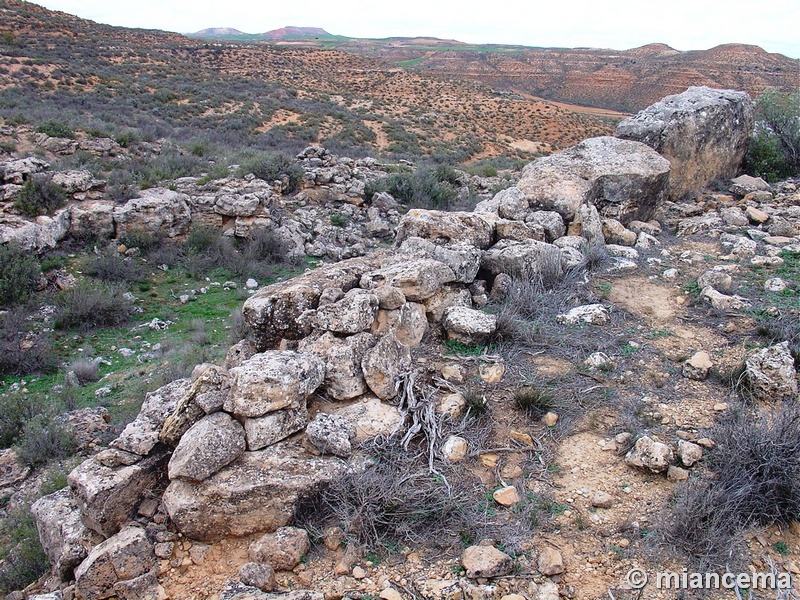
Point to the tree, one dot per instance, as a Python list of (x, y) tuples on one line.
[(775, 148)]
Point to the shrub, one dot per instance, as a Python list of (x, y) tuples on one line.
[(56, 129), (43, 439), (86, 370), (774, 150), (533, 401), (23, 352), (755, 464), (110, 265), (239, 329), (426, 187), (90, 306), (40, 196), (23, 559), (143, 240), (340, 219), (19, 273), (274, 166), (16, 409)]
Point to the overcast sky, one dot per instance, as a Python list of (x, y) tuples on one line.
[(618, 24)]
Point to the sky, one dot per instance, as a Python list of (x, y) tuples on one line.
[(618, 24)]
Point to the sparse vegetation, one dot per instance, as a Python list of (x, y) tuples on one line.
[(774, 150), (19, 273), (89, 306), (40, 196)]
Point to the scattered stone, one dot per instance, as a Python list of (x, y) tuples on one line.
[(770, 373), (698, 366), (650, 454), (550, 419), (721, 301), (756, 216), (261, 576), (550, 562), (602, 499), (506, 496), (775, 285), (689, 453), (283, 549), (468, 326), (592, 314), (719, 280), (455, 449), (486, 561), (677, 474)]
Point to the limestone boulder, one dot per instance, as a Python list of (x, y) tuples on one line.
[(92, 218), (256, 493), (550, 221), (75, 181), (273, 380), (125, 556), (384, 364), (771, 374), (210, 444), (354, 313), (344, 378), (468, 326), (236, 205), (107, 496), (64, 537), (650, 454), (590, 314), (529, 258), (512, 204), (703, 132), (283, 549), (40, 234), (486, 561), (463, 258), (142, 434), (624, 179), (408, 323), (442, 227), (273, 427), (272, 312), (19, 170), (156, 210), (331, 434), (371, 417), (445, 297), (416, 279)]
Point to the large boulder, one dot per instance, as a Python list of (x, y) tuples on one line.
[(272, 312), (463, 258), (108, 496), (40, 234), (272, 381), (125, 556), (75, 181), (274, 427), (702, 132), (528, 258), (344, 378), (625, 180), (443, 227), (416, 279), (89, 219), (352, 314), (771, 374), (384, 364), (64, 537), (141, 435), (210, 444), (156, 210), (257, 492), (19, 170)]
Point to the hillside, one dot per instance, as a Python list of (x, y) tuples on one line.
[(626, 80), (163, 85)]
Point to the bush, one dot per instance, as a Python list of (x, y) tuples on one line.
[(40, 196), (145, 241), (56, 129), (86, 370), (755, 462), (19, 273), (23, 559), (16, 409), (533, 401), (43, 439), (272, 167), (90, 306), (427, 187), (111, 266), (23, 352), (775, 148)]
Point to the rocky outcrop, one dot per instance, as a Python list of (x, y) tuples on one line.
[(624, 180), (702, 132), (155, 210), (255, 493)]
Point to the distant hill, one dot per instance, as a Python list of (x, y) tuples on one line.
[(289, 34), (217, 31)]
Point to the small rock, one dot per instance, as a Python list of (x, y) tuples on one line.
[(359, 573), (698, 366), (602, 500), (282, 549), (677, 473), (251, 284), (650, 454), (775, 285), (689, 453), (390, 594), (755, 215), (506, 496), (550, 419), (707, 443), (455, 449), (550, 561), (258, 575), (486, 561), (592, 314)]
